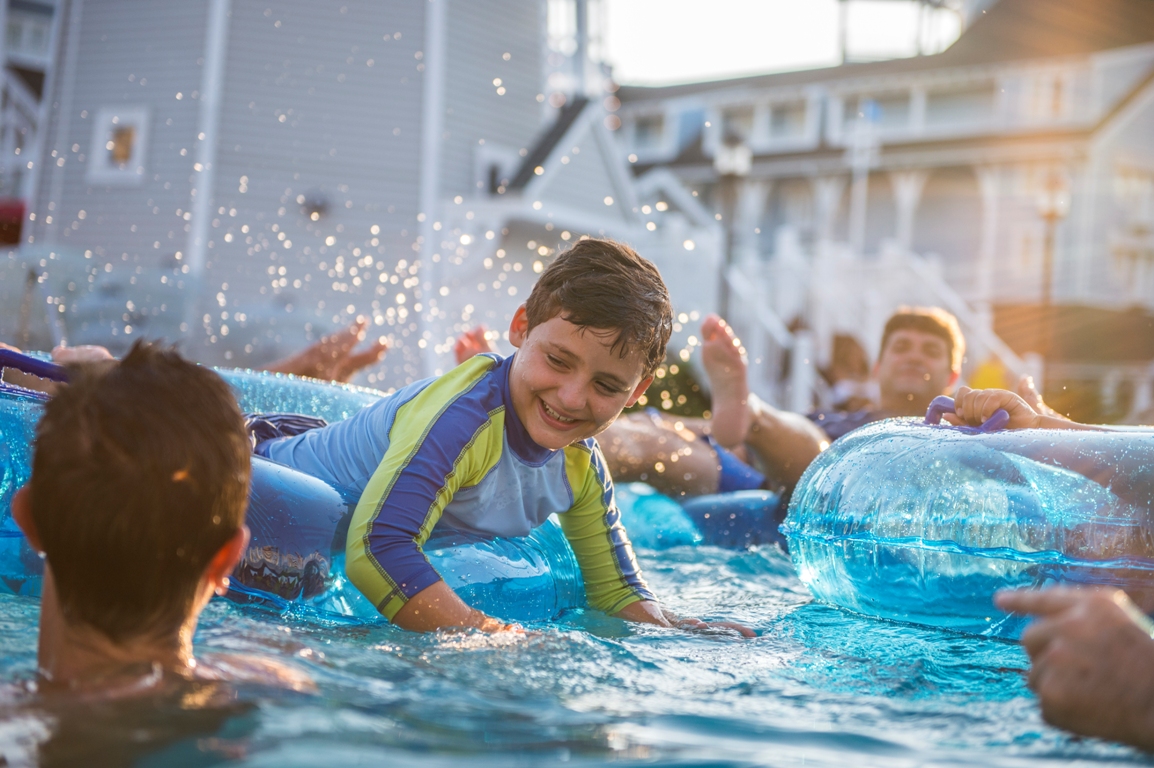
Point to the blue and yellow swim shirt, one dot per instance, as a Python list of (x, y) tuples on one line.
[(452, 448)]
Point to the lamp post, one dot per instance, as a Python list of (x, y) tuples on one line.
[(1053, 202), (732, 164)]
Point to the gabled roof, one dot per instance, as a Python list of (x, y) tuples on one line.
[(1029, 29), (548, 142), (1011, 30)]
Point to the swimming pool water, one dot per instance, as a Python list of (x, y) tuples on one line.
[(818, 687)]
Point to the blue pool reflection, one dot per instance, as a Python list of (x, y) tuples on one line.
[(818, 687)]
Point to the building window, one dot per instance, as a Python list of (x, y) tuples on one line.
[(648, 132), (787, 120), (28, 30), (737, 121), (119, 144), (887, 110), (970, 104)]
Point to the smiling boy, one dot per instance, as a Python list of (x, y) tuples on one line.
[(496, 446)]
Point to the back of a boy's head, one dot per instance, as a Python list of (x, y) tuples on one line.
[(140, 476), (606, 285)]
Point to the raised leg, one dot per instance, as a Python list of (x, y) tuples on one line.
[(724, 361)]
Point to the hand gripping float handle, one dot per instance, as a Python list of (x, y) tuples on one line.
[(42, 368), (944, 404)]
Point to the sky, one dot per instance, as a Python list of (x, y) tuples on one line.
[(671, 41)]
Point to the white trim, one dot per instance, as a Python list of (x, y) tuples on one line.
[(663, 180), (1144, 100), (432, 126), (208, 123), (67, 80)]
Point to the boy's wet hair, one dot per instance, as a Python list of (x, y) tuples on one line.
[(140, 476), (934, 321), (605, 285)]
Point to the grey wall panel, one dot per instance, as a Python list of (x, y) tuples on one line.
[(129, 53), (478, 35), (322, 101)]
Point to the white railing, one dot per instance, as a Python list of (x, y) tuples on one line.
[(19, 113), (832, 291), (770, 344)]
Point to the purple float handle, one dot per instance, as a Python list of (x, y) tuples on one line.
[(32, 365), (944, 404)]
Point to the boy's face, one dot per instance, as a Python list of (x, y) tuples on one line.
[(566, 383)]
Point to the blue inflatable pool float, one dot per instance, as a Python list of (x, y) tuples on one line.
[(922, 523), (298, 522), (735, 520)]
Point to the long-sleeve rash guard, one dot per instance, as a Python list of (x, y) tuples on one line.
[(453, 448)]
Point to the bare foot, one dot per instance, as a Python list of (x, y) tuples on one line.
[(86, 353), (332, 357), (472, 342), (724, 361)]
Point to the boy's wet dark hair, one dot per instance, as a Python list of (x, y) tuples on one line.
[(140, 476), (934, 321), (605, 285)]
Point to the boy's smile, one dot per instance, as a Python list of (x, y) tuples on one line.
[(567, 384)]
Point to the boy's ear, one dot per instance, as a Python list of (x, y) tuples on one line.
[(519, 327), (640, 390), (225, 560), (22, 514)]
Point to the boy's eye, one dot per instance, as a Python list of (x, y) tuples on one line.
[(554, 361), (608, 389)]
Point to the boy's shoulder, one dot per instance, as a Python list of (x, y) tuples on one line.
[(449, 407), (449, 386)]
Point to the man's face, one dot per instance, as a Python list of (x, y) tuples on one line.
[(566, 383), (913, 369)]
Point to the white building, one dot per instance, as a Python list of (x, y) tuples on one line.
[(842, 174)]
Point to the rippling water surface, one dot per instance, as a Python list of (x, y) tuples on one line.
[(818, 687)]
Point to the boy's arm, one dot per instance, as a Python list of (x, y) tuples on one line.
[(437, 607), (613, 581), (593, 527)]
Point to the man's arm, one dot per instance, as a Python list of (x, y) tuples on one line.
[(1093, 661), (975, 406), (787, 442)]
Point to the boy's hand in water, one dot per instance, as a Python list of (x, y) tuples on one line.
[(1093, 661), (708, 627), (649, 612), (972, 407)]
